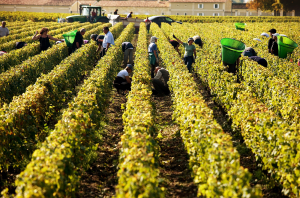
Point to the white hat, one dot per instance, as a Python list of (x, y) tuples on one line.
[(265, 34), (256, 39), (276, 34), (283, 35)]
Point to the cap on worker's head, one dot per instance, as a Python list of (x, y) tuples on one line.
[(272, 31), (264, 34), (153, 38), (276, 34), (94, 36), (130, 66), (190, 39)]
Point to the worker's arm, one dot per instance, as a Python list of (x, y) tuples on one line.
[(128, 79), (77, 45), (52, 38), (108, 44), (155, 54), (36, 37), (177, 49), (195, 53), (179, 41), (99, 47)]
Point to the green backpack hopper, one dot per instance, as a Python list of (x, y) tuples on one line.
[(70, 37), (240, 26), (231, 50), (285, 46)]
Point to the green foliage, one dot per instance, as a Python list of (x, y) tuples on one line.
[(15, 80), (213, 159), (53, 167), (139, 165), (270, 138), (29, 32), (9, 46)]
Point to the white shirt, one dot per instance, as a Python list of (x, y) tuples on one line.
[(3, 31), (108, 38), (123, 73), (158, 75)]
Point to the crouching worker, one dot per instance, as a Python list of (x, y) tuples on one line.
[(99, 40), (198, 41), (259, 60), (160, 82), (123, 82)]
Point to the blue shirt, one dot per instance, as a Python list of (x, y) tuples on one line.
[(152, 47)]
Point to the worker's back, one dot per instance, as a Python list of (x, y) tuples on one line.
[(165, 76)]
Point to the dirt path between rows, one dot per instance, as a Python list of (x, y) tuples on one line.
[(174, 167)]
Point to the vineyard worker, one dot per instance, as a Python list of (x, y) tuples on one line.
[(127, 48), (129, 15), (271, 40), (148, 23), (107, 41), (98, 39), (44, 38), (123, 82), (4, 30), (2, 53), (190, 49), (153, 55), (259, 60), (175, 44), (78, 41), (116, 12), (249, 51), (198, 41), (160, 82), (274, 47), (232, 68), (19, 45)]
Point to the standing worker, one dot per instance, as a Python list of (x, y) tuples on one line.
[(107, 41), (129, 15), (44, 38), (271, 40), (160, 82), (153, 55), (190, 49), (274, 47), (78, 41), (116, 12), (98, 39), (127, 48), (198, 41), (4, 30), (148, 23)]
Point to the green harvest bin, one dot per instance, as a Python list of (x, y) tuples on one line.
[(231, 50), (285, 46), (70, 37), (240, 26)]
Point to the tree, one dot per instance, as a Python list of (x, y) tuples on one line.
[(289, 5), (262, 4)]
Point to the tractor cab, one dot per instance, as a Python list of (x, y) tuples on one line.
[(88, 14)]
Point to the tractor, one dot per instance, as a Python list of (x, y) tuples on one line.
[(88, 14)]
